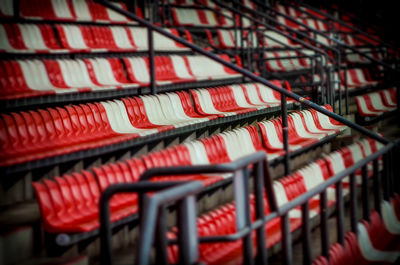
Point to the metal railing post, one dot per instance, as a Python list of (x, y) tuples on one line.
[(285, 133)]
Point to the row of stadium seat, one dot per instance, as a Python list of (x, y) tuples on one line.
[(355, 78), (306, 19), (221, 148), (41, 38), (27, 136), (376, 241), (204, 18), (221, 221), (27, 78), (64, 10), (226, 39), (377, 103), (286, 61)]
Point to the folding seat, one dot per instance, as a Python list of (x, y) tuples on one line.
[(297, 134), (243, 101), (121, 205), (389, 97), (172, 116), (6, 8), (193, 17), (227, 39), (119, 120), (27, 38), (188, 108), (290, 23), (205, 105), (172, 103), (88, 10), (54, 217), (273, 39), (324, 122), (376, 243), (205, 68), (274, 64), (315, 174), (252, 94), (12, 141), (389, 217), (107, 71), (138, 115), (65, 205), (300, 127), (312, 126), (34, 75), (355, 58), (229, 101), (8, 41), (161, 43), (73, 199), (198, 154), (226, 19), (74, 37), (294, 186), (269, 95), (154, 111), (372, 105), (33, 38), (271, 139), (339, 254), (315, 24), (298, 63), (216, 150), (249, 4), (47, 9), (282, 199)]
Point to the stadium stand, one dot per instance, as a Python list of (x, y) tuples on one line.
[(196, 132)]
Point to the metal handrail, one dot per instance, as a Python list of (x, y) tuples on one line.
[(245, 72), (345, 24), (152, 216), (341, 44)]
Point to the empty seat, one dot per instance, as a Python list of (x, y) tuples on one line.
[(28, 78), (305, 128), (27, 38), (193, 17), (375, 104), (70, 10)]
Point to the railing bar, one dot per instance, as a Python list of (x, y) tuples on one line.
[(286, 240), (247, 73), (262, 257), (365, 192), (306, 233), (340, 212), (324, 225), (353, 203), (376, 185), (285, 133), (161, 239), (247, 240)]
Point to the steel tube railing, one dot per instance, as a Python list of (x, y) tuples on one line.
[(246, 73)]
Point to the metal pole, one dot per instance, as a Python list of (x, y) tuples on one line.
[(353, 203), (364, 193), (285, 133), (247, 73)]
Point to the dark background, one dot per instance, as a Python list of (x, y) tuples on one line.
[(384, 14)]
